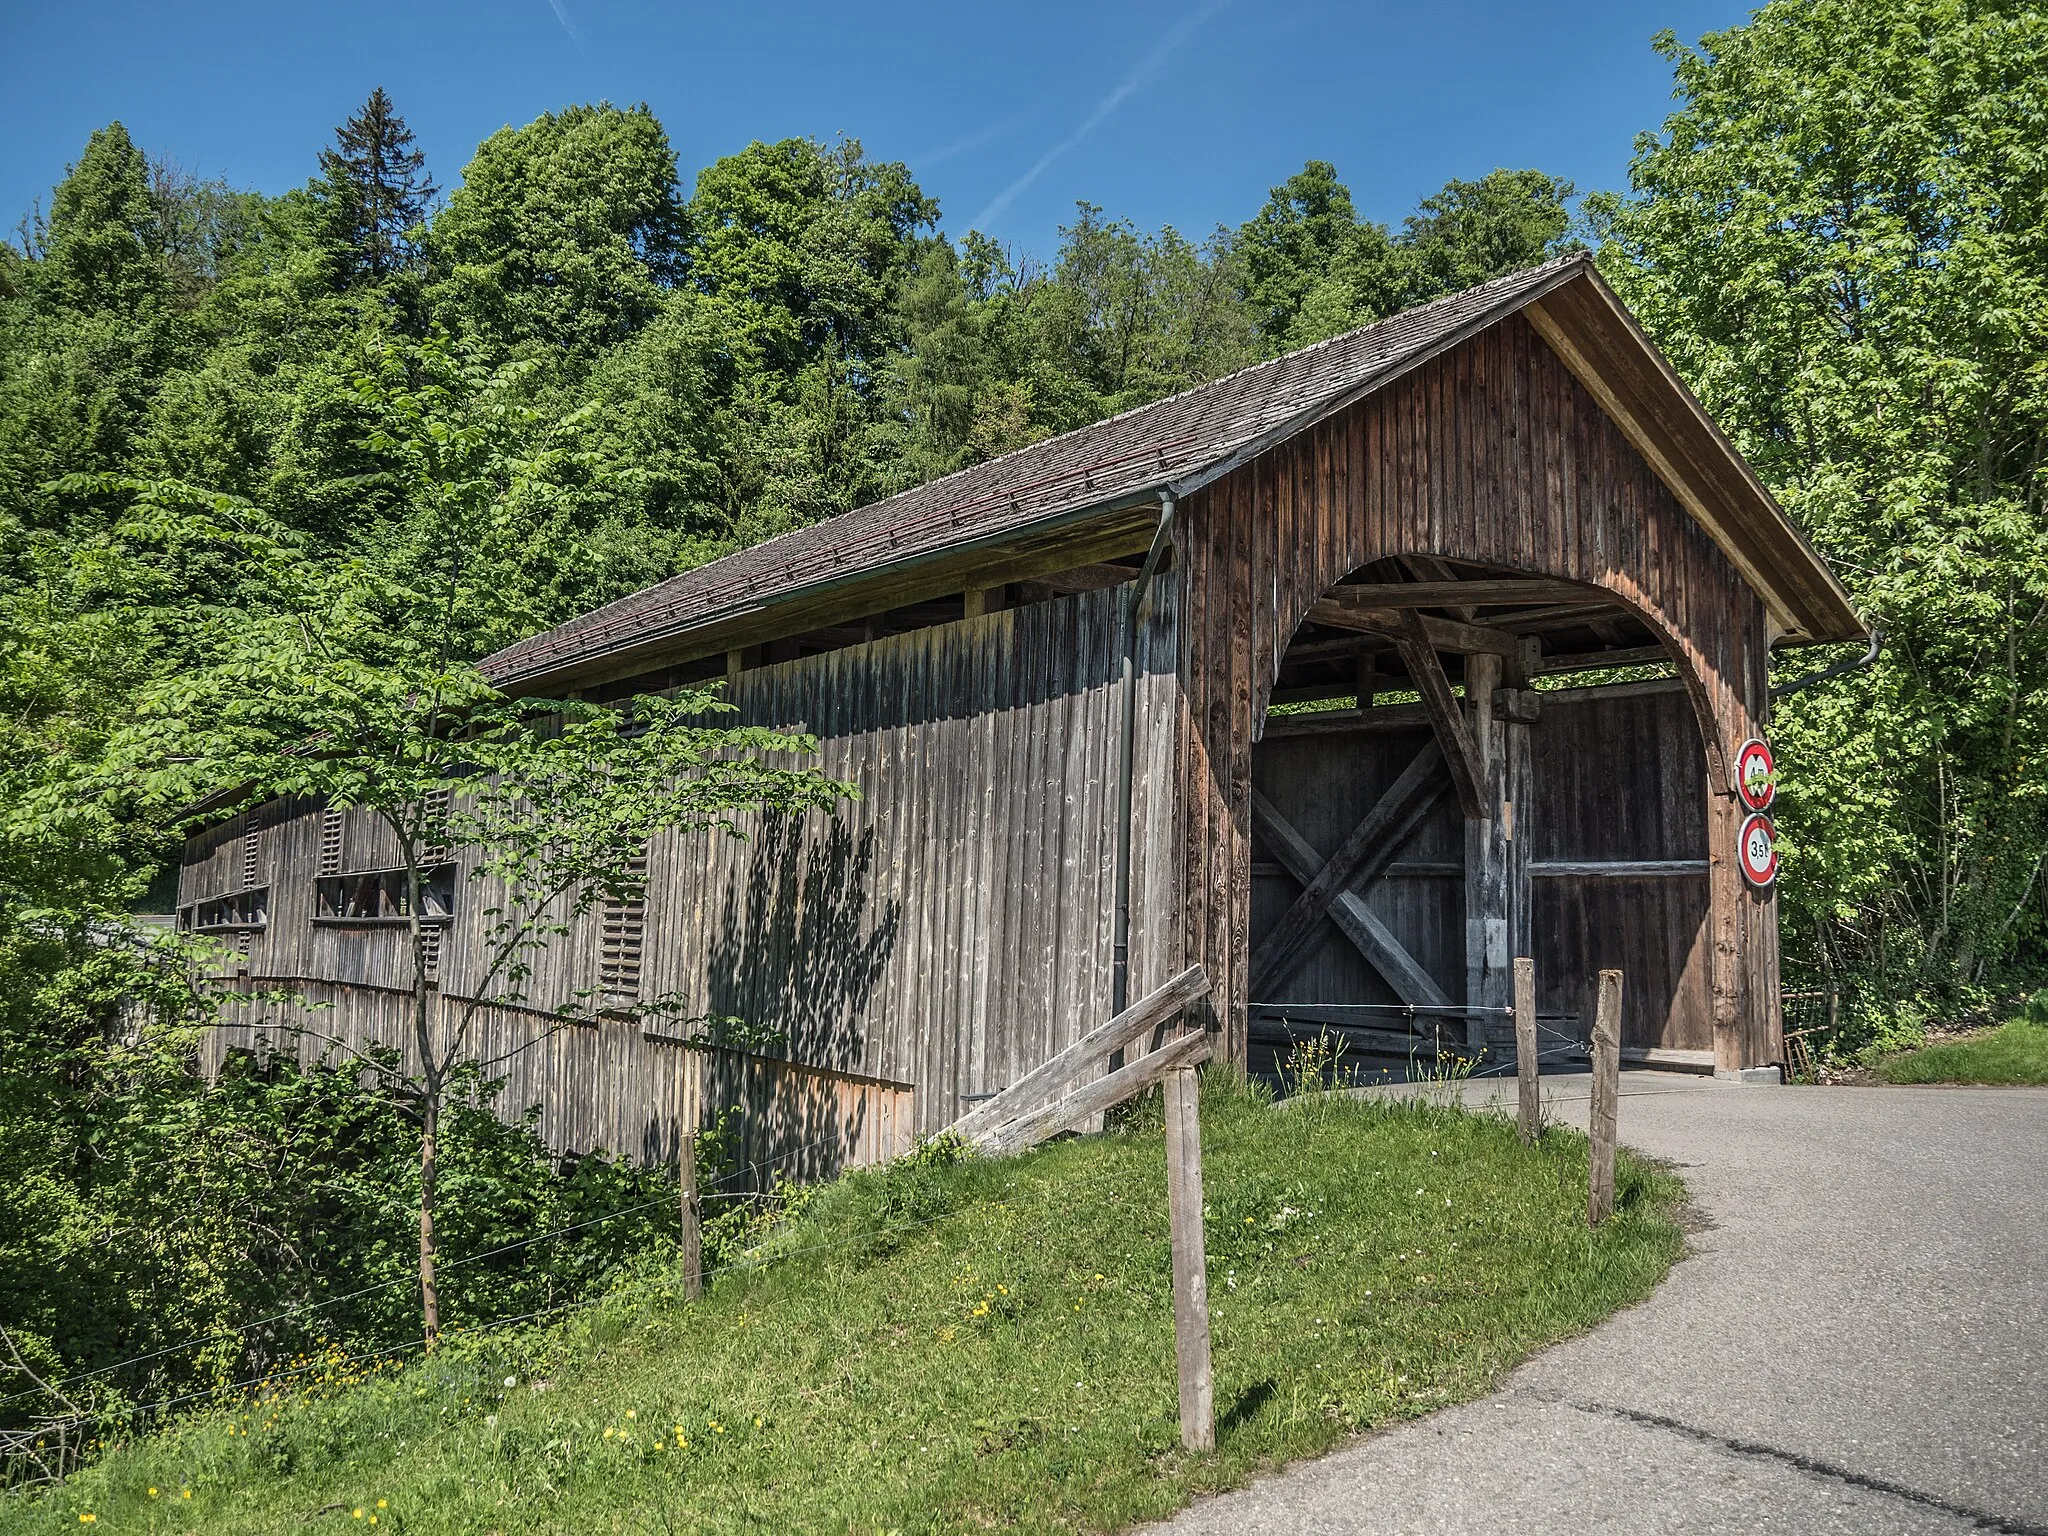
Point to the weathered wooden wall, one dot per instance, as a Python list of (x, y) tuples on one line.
[(1616, 822), (940, 935), (952, 928), (603, 1084), (1323, 785), (1619, 831), (1491, 453)]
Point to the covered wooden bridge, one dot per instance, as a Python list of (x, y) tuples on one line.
[(1296, 675)]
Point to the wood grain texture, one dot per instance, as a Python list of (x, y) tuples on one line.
[(1066, 1113), (946, 931), (1194, 1368), (1605, 1106), (1528, 1053), (1493, 455), (1087, 1055)]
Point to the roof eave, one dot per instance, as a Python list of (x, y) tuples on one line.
[(678, 636), (700, 634)]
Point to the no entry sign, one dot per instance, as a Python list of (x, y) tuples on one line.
[(1756, 849), (1756, 775)]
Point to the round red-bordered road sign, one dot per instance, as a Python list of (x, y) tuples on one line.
[(1756, 774), (1756, 850)]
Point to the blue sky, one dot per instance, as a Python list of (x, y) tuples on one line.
[(1179, 113)]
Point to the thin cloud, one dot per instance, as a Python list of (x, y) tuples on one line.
[(1145, 69), (962, 146), (568, 26)]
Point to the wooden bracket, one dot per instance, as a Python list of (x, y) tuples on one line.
[(1386, 829), (1517, 706), (1468, 770), (1028, 1130)]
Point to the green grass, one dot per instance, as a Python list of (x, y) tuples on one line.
[(985, 1344), (2015, 1053)]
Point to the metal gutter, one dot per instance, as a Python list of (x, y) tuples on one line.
[(1126, 756)]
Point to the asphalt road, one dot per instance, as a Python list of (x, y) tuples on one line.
[(1858, 1344)]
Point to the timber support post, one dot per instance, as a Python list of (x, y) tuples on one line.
[(1526, 1051), (692, 1215), (1190, 1259), (1606, 1093), (1486, 857)]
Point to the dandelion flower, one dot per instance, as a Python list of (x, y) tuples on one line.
[(609, 1431), (186, 1494), (380, 1503), (356, 1513), (632, 1413), (152, 1493), (88, 1519), (757, 1423)]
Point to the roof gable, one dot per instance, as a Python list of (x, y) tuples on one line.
[(1188, 440)]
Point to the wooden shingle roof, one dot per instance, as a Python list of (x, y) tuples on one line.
[(1189, 439)]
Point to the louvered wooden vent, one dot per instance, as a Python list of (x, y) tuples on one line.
[(625, 927), (330, 840), (249, 858), (437, 816), (430, 950)]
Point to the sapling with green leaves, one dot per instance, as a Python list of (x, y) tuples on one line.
[(344, 681), (551, 804)]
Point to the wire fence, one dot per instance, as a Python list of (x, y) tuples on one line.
[(719, 1188), (1469, 1064), (70, 1424)]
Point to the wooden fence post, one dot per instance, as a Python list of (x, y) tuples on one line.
[(1190, 1260), (692, 1218), (1606, 1091), (1526, 1049)]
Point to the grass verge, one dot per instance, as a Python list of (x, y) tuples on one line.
[(2014, 1053), (956, 1347)]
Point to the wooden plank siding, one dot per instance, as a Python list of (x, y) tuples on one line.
[(1493, 453), (938, 936), (604, 1085), (1619, 778)]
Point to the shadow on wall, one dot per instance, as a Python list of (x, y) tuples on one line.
[(800, 947)]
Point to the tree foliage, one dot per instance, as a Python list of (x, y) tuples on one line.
[(1841, 239), (293, 463)]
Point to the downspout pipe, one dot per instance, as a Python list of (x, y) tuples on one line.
[(1127, 751), (1784, 690)]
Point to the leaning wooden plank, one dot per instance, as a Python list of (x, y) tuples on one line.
[(1027, 1131), (1045, 1081), (1468, 771), (1370, 848), (1370, 936)]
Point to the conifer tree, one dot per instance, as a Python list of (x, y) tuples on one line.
[(97, 253), (376, 187)]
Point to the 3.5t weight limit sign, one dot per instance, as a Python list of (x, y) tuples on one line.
[(1756, 843), (1756, 850)]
